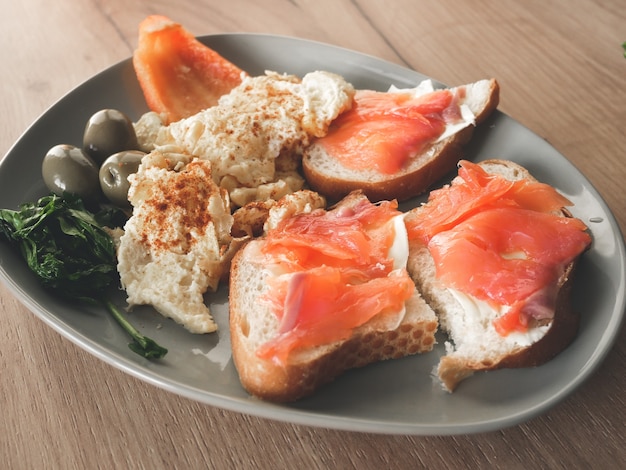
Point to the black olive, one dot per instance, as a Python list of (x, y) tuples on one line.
[(67, 168), (114, 174), (107, 132)]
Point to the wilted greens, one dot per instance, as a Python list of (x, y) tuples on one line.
[(69, 249)]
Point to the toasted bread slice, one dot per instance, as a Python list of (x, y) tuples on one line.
[(328, 176), (474, 343), (253, 323)]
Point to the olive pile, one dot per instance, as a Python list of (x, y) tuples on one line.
[(101, 167)]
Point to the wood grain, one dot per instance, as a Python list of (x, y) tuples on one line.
[(562, 73)]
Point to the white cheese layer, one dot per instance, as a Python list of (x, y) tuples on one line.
[(480, 315), (426, 86), (399, 252)]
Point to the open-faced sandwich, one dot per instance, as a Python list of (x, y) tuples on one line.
[(397, 144), (322, 292), (494, 254)]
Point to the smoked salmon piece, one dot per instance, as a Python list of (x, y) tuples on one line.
[(474, 190), (357, 237), (507, 255), (324, 305), (501, 241), (337, 275), (179, 76), (383, 130)]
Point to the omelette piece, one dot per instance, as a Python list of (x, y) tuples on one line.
[(255, 135), (177, 243)]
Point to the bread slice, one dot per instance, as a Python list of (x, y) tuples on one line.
[(474, 343), (252, 324), (329, 177)]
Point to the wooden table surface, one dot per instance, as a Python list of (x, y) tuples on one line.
[(563, 75)]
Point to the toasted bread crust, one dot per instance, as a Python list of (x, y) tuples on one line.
[(433, 164)]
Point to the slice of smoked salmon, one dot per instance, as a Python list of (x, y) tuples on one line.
[(322, 305), (475, 190), (383, 130), (506, 254), (501, 241), (357, 237), (336, 275)]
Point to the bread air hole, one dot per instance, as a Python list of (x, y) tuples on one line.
[(244, 326)]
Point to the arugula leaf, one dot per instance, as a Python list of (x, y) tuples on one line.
[(71, 252)]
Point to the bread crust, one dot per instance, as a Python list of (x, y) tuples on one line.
[(424, 170)]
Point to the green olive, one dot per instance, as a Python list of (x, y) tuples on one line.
[(68, 169), (114, 174), (107, 132)]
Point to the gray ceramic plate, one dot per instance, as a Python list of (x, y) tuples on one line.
[(393, 397)]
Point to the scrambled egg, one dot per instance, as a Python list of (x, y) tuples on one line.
[(179, 241), (253, 134)]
